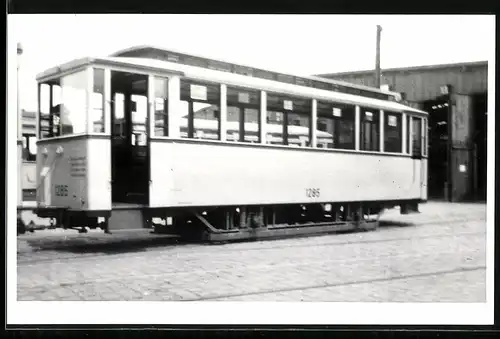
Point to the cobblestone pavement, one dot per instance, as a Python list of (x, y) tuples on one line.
[(438, 255)]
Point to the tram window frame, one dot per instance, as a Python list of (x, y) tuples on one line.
[(139, 107), (373, 143), (425, 133), (118, 129), (161, 96), (408, 134), (98, 93), (27, 154), (300, 106), (234, 100), (338, 114), (212, 97), (393, 135), (49, 113), (72, 84), (417, 139)]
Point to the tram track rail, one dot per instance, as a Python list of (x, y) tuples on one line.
[(257, 266), (226, 250), (381, 276), (128, 248), (346, 283)]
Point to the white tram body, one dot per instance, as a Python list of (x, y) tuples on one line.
[(27, 173), (201, 164)]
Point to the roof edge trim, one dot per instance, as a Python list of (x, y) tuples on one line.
[(409, 68)]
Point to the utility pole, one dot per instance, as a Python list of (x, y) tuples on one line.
[(19, 129), (19, 109), (377, 58)]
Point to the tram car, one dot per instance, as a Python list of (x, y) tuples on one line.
[(27, 182), (151, 138)]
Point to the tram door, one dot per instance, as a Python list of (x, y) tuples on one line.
[(418, 138), (130, 142)]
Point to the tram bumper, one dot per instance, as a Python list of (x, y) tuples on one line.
[(50, 211), (410, 207)]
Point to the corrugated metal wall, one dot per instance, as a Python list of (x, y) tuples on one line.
[(422, 85)]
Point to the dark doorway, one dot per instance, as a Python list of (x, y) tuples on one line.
[(129, 142), (479, 109), (438, 148)]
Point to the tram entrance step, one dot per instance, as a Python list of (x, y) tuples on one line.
[(126, 219)]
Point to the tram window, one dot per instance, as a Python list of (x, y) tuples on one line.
[(234, 120), (275, 127), (119, 106), (293, 114), (265, 75), (45, 98), (29, 147), (416, 136), (139, 119), (303, 82), (325, 133), (49, 109), (286, 78), (346, 133), (161, 107), (408, 135), (32, 148), (370, 130), (74, 95), (243, 123), (183, 116), (252, 125), (335, 125), (25, 151), (243, 70), (198, 62), (424, 137), (298, 129), (203, 107), (320, 85), (55, 110), (118, 128), (219, 66), (393, 131), (97, 112)]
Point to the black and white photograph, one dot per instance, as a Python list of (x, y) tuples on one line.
[(250, 169)]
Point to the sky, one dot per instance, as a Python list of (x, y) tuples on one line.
[(296, 44)]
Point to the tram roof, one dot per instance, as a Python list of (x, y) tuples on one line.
[(160, 66), (124, 52)]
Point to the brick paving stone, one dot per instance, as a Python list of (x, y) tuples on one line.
[(127, 292), (111, 296), (62, 292), (259, 269), (31, 297), (424, 289)]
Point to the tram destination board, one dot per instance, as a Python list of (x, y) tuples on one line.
[(78, 166)]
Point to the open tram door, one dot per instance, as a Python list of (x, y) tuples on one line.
[(130, 165)]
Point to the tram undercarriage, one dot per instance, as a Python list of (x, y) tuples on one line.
[(216, 224)]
